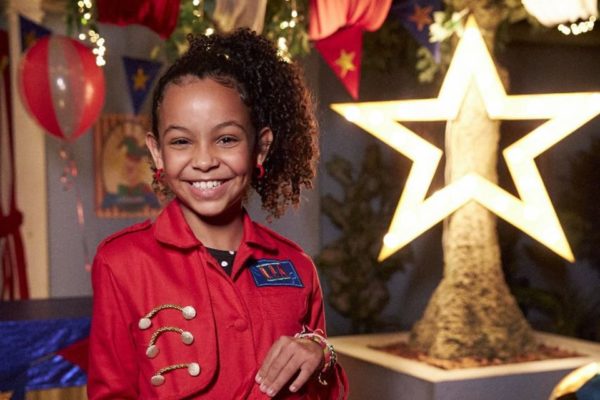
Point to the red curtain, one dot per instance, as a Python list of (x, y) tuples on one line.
[(327, 16), (12, 254), (159, 15)]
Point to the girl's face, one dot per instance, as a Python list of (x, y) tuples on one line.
[(207, 147)]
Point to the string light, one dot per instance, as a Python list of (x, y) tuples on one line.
[(577, 28), (286, 27), (85, 9), (199, 11)]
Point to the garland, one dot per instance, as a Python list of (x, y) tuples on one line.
[(285, 24)]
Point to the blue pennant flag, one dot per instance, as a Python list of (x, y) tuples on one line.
[(140, 75), (416, 16), (31, 32)]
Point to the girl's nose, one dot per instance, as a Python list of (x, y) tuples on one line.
[(205, 158)]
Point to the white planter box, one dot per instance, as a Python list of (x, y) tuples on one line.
[(377, 375)]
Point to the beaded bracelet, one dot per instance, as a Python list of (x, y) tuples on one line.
[(329, 354)]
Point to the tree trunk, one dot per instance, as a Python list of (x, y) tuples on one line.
[(472, 312)]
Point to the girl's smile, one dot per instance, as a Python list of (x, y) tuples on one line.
[(206, 185), (208, 190)]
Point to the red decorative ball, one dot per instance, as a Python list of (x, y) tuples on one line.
[(61, 86)]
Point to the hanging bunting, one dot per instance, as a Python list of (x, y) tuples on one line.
[(232, 14), (337, 28), (140, 77), (12, 253), (31, 32), (417, 16), (342, 51), (159, 15)]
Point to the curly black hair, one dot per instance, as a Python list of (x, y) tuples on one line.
[(276, 96)]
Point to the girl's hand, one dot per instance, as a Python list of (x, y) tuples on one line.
[(286, 358)]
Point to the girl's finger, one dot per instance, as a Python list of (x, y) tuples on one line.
[(273, 353), (302, 378), (282, 373)]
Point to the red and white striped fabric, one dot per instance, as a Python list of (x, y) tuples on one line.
[(327, 17)]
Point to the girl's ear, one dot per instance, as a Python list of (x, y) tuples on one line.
[(152, 144), (265, 138)]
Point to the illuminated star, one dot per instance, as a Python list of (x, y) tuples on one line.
[(139, 79), (532, 212), (346, 62), (421, 16)]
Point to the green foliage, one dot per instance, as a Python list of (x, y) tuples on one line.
[(195, 21), (356, 279), (75, 22), (567, 309), (569, 314), (383, 50), (561, 307), (448, 24), (387, 48), (296, 36), (192, 20), (578, 205)]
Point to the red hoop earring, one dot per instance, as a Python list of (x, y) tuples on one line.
[(158, 174), (261, 170)]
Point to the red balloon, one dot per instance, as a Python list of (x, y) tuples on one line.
[(61, 86)]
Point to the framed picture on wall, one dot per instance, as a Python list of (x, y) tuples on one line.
[(123, 177)]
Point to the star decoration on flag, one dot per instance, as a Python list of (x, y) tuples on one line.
[(139, 79), (421, 16), (532, 212), (346, 62)]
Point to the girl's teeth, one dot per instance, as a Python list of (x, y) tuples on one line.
[(204, 185)]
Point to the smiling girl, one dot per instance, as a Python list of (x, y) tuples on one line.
[(203, 302)]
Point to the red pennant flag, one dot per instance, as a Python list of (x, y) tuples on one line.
[(342, 51), (337, 27), (77, 353)]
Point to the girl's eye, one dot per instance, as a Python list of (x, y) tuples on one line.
[(179, 142), (228, 140)]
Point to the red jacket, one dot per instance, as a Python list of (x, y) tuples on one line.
[(273, 290)]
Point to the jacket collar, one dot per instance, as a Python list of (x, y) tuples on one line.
[(172, 229)]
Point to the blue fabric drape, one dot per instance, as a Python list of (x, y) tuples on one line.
[(29, 359)]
